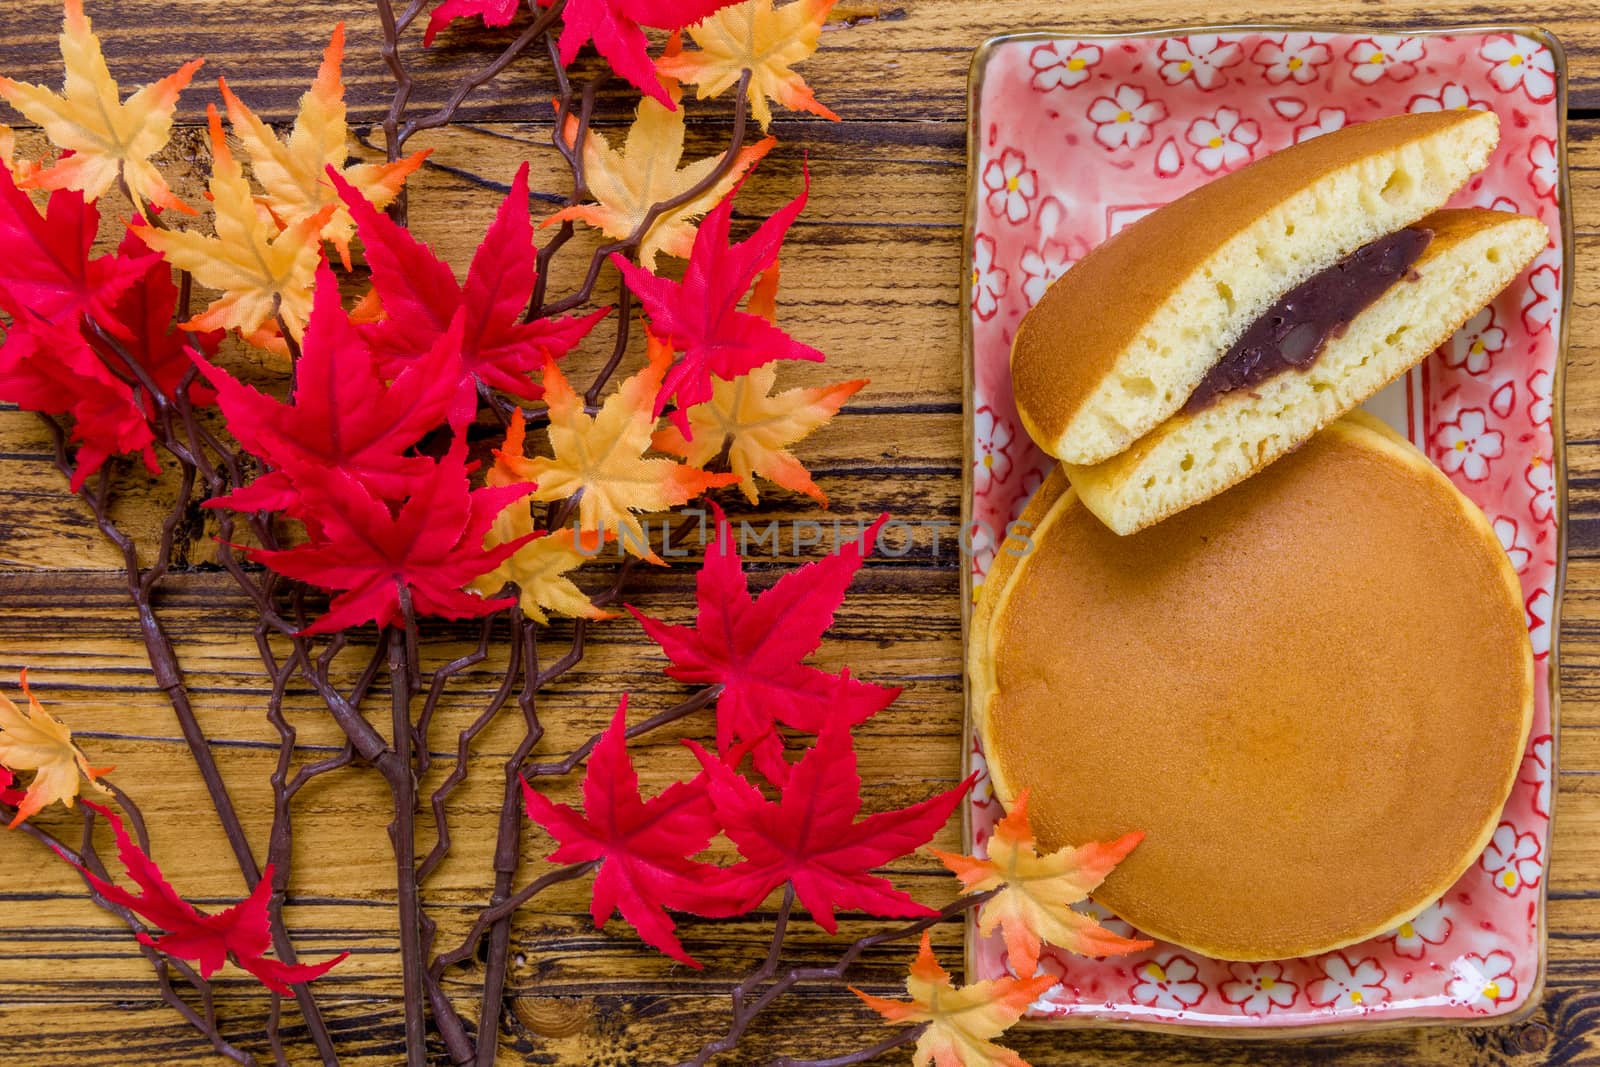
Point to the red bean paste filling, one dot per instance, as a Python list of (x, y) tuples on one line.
[(1293, 332)]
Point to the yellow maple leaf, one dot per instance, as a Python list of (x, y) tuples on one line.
[(1036, 893), (539, 567), (627, 183), (756, 429), (960, 1021), (22, 170), (106, 136), (757, 37), (602, 456), (261, 271), (35, 741), (295, 174)]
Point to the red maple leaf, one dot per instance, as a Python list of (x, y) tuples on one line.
[(49, 367), (700, 315), (430, 549), (615, 28), (344, 413), (420, 296), (141, 320), (9, 794), (753, 648), (643, 846), (47, 272), (76, 322), (496, 14), (809, 836), (243, 931)]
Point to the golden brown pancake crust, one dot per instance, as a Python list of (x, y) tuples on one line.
[(1311, 693)]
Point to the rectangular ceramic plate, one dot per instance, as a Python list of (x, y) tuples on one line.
[(1073, 137)]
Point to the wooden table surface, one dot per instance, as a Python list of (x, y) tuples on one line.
[(871, 277)]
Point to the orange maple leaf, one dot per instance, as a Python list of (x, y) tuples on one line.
[(106, 136), (626, 184), (1036, 893), (261, 270), (35, 741), (294, 174), (602, 456), (539, 567), (960, 1021), (756, 429), (757, 37)]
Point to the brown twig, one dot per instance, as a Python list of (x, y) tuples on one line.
[(700, 700), (489, 916), (901, 1038), (745, 1011), (724, 166), (436, 684), (481, 77), (397, 129), (402, 835), (507, 850)]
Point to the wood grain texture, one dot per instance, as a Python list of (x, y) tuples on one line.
[(872, 277)]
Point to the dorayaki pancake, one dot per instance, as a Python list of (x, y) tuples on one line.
[(1472, 254), (1311, 693), (1120, 341)]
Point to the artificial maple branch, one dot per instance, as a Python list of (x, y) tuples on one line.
[(746, 1011), (361, 738), (627, 244), (481, 77), (402, 835), (458, 773), (85, 857), (192, 457), (206, 461), (489, 916), (567, 764), (508, 852), (397, 129), (903, 1037), (169, 678)]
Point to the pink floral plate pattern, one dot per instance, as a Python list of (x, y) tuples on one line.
[(1073, 138)]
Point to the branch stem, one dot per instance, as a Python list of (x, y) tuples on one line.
[(746, 1011), (402, 834)]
